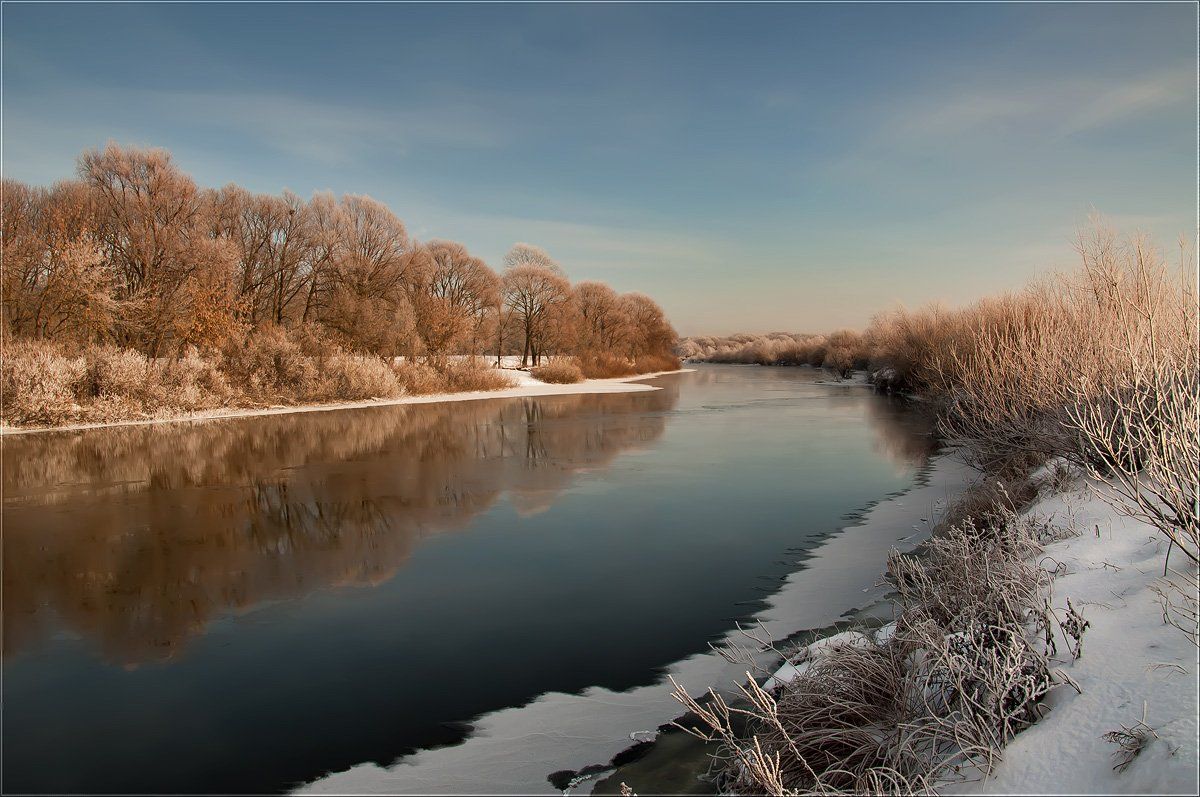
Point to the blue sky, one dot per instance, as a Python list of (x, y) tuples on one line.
[(754, 168)]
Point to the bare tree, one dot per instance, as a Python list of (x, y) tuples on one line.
[(650, 331), (459, 297), (151, 226), (604, 324), (534, 285)]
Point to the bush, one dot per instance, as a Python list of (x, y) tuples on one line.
[(419, 379), (111, 371), (473, 375), (652, 363), (354, 377), (268, 365), (606, 366), (189, 383), (38, 384), (559, 372), (455, 376), (842, 351)]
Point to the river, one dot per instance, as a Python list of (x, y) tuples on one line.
[(484, 591)]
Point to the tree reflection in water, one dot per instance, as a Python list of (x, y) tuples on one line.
[(138, 537)]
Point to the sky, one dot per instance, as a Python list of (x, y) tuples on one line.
[(754, 168)]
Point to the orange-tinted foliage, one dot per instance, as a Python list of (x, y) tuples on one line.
[(136, 267)]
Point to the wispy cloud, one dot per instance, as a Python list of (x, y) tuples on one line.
[(330, 132), (1044, 107), (587, 249)]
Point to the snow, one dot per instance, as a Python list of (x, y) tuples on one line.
[(526, 387), (1131, 662), (788, 671), (1130, 659), (856, 379)]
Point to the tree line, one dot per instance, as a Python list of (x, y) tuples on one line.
[(134, 254)]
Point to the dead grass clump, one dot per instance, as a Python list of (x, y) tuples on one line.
[(653, 363), (835, 729), (420, 379), (1130, 740), (355, 377), (474, 374), (38, 384), (989, 503), (606, 366), (268, 365), (191, 382), (559, 372), (957, 678)]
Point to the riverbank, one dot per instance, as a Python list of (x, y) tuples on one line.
[(1024, 640), (525, 387), (1131, 728)]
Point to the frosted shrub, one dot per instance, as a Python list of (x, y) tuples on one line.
[(562, 372), (37, 384), (651, 363), (419, 379), (351, 377), (114, 372), (606, 366), (269, 365), (839, 359), (191, 382), (473, 374)]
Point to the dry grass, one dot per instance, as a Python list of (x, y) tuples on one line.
[(959, 676), (474, 374), (653, 363), (559, 372), (42, 384), (606, 366), (1098, 367), (1130, 740), (37, 384), (1101, 366)]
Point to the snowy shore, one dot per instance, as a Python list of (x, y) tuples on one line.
[(1131, 661), (1135, 671), (526, 387)]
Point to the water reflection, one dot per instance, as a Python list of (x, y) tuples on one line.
[(131, 546), (138, 537)]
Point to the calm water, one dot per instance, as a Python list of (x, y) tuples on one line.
[(245, 605)]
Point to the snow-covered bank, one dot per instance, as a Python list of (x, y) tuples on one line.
[(515, 749), (1112, 572), (527, 387), (1136, 675)]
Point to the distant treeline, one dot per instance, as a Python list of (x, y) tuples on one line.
[(1100, 366), (842, 351), (134, 256)]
